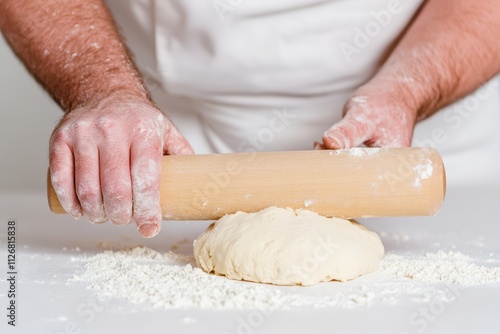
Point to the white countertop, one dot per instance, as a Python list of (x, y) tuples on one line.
[(48, 303)]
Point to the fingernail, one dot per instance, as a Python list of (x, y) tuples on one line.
[(98, 220), (76, 215), (335, 141), (149, 230)]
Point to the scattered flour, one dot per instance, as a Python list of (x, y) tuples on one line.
[(357, 151), (143, 276), (360, 99), (308, 203), (362, 151), (424, 172), (440, 267)]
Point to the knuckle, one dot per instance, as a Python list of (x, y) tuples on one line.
[(118, 202), (57, 178), (147, 204), (56, 155), (88, 193), (146, 128), (147, 185), (117, 190), (79, 128), (107, 126), (94, 211), (83, 152), (146, 177), (144, 185), (141, 123), (60, 135), (119, 215)]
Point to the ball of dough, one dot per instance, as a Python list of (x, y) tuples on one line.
[(287, 247)]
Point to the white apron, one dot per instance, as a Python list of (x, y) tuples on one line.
[(260, 75)]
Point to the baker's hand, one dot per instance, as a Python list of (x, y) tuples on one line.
[(374, 117), (105, 162)]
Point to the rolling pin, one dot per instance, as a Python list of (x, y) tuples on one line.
[(353, 183)]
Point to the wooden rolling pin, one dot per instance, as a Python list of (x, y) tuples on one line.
[(355, 183)]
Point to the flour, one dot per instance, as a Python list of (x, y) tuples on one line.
[(148, 278), (424, 172), (440, 267), (143, 276), (308, 203), (360, 99), (362, 151), (357, 151)]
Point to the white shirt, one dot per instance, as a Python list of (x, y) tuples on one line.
[(241, 75)]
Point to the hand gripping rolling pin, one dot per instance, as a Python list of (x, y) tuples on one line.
[(354, 183)]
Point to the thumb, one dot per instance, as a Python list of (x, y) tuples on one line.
[(175, 143), (349, 132)]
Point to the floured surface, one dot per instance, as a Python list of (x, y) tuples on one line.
[(54, 250), (141, 275)]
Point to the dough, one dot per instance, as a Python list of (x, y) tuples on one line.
[(287, 247)]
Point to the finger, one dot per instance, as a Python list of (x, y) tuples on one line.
[(397, 132), (145, 156), (175, 143), (62, 177), (349, 132), (396, 141), (116, 184), (88, 187), (318, 146)]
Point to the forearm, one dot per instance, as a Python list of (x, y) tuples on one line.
[(72, 48), (449, 50)]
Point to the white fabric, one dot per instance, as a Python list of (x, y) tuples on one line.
[(226, 77)]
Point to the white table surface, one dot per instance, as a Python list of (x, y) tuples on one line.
[(47, 303)]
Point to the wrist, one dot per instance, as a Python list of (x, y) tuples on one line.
[(410, 93), (117, 95), (394, 92)]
